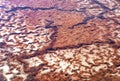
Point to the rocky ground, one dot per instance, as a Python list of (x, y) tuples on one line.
[(59, 40)]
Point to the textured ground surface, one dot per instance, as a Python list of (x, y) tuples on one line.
[(59, 40)]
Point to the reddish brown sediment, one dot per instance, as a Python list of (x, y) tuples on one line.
[(73, 24), (59, 40)]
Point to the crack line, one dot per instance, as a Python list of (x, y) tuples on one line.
[(26, 7), (85, 20), (39, 8), (102, 5)]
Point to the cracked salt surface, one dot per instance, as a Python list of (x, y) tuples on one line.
[(86, 60), (34, 62), (5, 69)]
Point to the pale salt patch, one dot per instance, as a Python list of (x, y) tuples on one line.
[(118, 52), (28, 47), (110, 63), (110, 51), (97, 68), (83, 61), (17, 31), (117, 12), (84, 51), (82, 68), (72, 67), (91, 58), (3, 27), (9, 76), (4, 33), (15, 25), (95, 51), (12, 37), (85, 75), (1, 39), (5, 17), (46, 70), (33, 62), (23, 75), (1, 2), (116, 74), (42, 38), (16, 49), (5, 68), (68, 55), (63, 65), (15, 71), (32, 36), (2, 56), (2, 22), (36, 45), (50, 59), (30, 40), (10, 43), (23, 24)]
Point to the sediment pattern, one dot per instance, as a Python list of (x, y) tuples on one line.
[(59, 40)]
